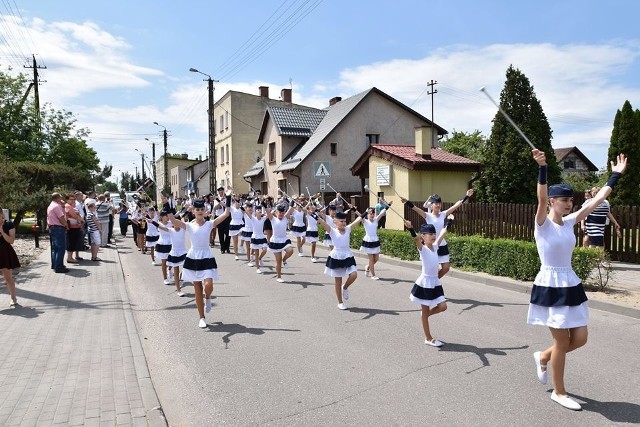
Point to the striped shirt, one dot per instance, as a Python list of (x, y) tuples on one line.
[(597, 220), (92, 220)]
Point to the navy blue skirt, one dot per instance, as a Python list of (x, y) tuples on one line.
[(200, 264), (163, 249)]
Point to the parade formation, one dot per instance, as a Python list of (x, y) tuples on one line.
[(558, 300)]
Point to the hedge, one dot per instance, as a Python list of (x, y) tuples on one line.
[(499, 257)]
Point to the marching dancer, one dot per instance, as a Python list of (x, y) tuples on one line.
[(178, 253), (299, 228), (437, 218), (370, 243), (312, 229), (259, 242), (236, 225), (279, 242), (163, 247), (340, 262), (200, 265), (331, 213), (427, 290), (247, 230), (152, 235), (558, 300)]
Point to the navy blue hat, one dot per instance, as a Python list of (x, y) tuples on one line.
[(560, 190), (258, 207), (341, 215), (428, 228), (331, 207), (198, 203), (164, 213), (281, 208), (435, 199), (220, 189)]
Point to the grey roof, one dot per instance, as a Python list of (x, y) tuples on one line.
[(336, 113), (301, 122), (256, 169)]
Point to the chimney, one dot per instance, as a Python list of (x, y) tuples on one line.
[(264, 91), (334, 100), (285, 94), (424, 138)]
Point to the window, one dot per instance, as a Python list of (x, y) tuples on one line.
[(272, 152), (226, 120), (334, 148), (221, 155), (569, 164), (221, 124), (373, 138), (227, 153)]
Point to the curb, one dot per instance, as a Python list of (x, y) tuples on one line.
[(499, 282), (153, 410)]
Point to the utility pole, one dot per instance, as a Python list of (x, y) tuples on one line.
[(153, 165), (432, 92), (166, 187), (36, 94), (213, 184)]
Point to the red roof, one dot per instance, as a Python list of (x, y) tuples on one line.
[(408, 153)]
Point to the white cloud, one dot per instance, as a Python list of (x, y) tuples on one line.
[(577, 85)]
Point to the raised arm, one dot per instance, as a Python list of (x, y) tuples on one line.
[(543, 197), (176, 222), (445, 229), (459, 203), (414, 208), (227, 210), (617, 168), (413, 233)]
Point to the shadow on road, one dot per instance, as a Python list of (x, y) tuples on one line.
[(475, 304), (481, 352), (618, 412), (22, 311), (370, 312), (232, 329)]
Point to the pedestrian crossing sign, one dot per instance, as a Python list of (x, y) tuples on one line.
[(322, 169)]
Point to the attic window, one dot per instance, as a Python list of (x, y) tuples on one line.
[(334, 148), (373, 138), (272, 152), (569, 164)]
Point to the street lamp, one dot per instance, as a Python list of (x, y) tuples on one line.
[(166, 188), (212, 132)]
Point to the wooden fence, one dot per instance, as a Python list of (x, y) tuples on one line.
[(515, 221)]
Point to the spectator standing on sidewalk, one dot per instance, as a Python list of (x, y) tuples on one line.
[(382, 204), (107, 196), (75, 241), (597, 220), (123, 218), (57, 226), (8, 257), (103, 210), (93, 226)]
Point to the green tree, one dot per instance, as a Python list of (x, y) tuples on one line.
[(465, 144), (509, 173), (625, 139)]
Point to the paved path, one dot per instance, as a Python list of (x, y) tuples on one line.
[(283, 354), (70, 354)]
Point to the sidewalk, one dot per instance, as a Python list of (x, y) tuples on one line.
[(71, 354)]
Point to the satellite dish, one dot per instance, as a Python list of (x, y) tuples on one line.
[(257, 156)]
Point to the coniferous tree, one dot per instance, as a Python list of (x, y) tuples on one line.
[(509, 173), (625, 139)]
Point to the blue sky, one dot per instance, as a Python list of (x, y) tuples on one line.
[(121, 65)]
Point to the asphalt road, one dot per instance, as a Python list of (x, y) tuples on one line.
[(283, 354)]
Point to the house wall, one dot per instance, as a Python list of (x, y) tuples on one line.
[(375, 115), (415, 185), (172, 162), (580, 165)]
